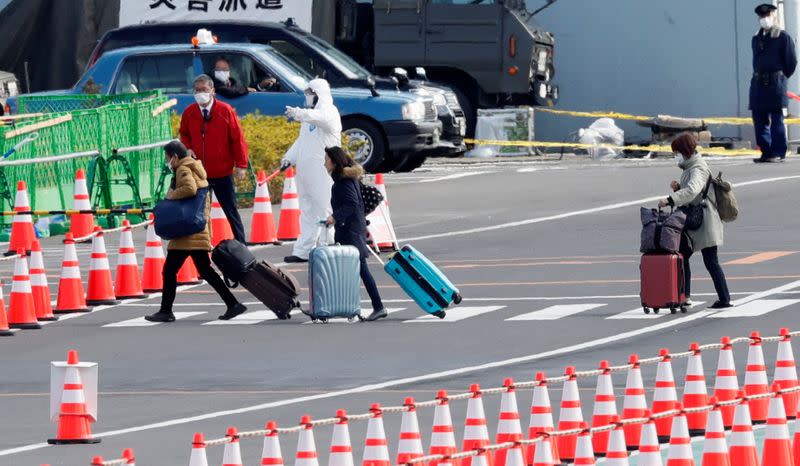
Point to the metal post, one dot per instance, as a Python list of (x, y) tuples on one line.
[(27, 79), (791, 21)]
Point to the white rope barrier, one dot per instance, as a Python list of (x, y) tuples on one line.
[(112, 230), (54, 158)]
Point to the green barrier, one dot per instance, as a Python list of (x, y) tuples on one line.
[(71, 102)]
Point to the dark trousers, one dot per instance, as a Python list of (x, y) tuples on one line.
[(369, 284), (226, 195), (770, 133), (175, 259), (711, 261)]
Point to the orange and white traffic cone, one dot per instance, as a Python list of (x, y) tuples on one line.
[(81, 225), (74, 419), (695, 392), (188, 274), (617, 454), (543, 456), (220, 227), (39, 286), (341, 452), (755, 379), (476, 434), (715, 448), (21, 312), (271, 452), (289, 221), (777, 450), (649, 448), (570, 416), (409, 446), (153, 268), (680, 444), (726, 384), (604, 411), (101, 285), (98, 461), (198, 456), (71, 296), (508, 426), (541, 418), (128, 282), (306, 454), (665, 397), (232, 455), (634, 404), (376, 450), (262, 229), (22, 234), (5, 330), (584, 453), (443, 440), (514, 457), (786, 373), (742, 448), (128, 456), (380, 227)]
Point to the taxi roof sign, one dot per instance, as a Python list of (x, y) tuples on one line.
[(204, 37)]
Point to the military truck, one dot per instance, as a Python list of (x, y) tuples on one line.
[(490, 52)]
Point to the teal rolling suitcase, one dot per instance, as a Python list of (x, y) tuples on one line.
[(422, 281)]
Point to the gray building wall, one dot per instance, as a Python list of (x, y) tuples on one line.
[(680, 57)]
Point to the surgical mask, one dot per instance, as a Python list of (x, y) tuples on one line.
[(222, 75), (310, 100), (202, 98), (766, 22), (679, 159)]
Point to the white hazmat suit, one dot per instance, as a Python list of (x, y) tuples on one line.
[(321, 127)]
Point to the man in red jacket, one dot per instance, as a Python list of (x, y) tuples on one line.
[(211, 129)]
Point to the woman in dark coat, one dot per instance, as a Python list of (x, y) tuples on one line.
[(349, 218)]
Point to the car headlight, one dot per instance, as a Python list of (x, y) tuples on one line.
[(414, 111), (542, 61), (439, 100), (542, 91)]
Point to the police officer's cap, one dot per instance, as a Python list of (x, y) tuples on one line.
[(765, 9)]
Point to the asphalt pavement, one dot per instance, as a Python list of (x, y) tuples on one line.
[(546, 257)]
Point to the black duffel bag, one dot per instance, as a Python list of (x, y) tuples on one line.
[(234, 260), (661, 231)]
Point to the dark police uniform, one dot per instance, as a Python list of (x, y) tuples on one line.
[(774, 61)]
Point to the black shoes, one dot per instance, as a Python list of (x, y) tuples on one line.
[(294, 260), (161, 316), (233, 311), (768, 160), (379, 314), (720, 305)]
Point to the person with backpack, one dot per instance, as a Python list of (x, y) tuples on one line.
[(696, 188), (349, 217)]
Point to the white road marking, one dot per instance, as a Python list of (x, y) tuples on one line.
[(248, 318), (638, 313), (454, 176), (767, 293), (456, 314), (140, 322), (756, 308), (556, 312), (575, 213)]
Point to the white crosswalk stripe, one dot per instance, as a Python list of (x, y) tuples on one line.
[(456, 314), (638, 313), (755, 308), (140, 322), (556, 312), (364, 313), (248, 318)]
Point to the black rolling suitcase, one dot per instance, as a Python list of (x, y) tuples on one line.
[(278, 290)]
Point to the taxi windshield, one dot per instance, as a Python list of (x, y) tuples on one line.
[(285, 67)]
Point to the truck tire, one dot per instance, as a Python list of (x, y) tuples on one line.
[(366, 143), (411, 162)]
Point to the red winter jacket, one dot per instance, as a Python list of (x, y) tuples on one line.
[(219, 142)]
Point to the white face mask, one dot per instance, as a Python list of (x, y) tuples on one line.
[(766, 22), (679, 159), (310, 100), (222, 75), (202, 98)]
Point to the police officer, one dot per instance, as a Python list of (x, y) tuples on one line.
[(774, 61)]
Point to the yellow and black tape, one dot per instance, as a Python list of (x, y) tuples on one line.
[(740, 121)]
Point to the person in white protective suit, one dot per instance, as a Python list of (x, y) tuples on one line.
[(321, 127)]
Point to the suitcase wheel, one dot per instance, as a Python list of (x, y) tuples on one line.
[(655, 310), (457, 298), (684, 310), (673, 310), (646, 310), (440, 314)]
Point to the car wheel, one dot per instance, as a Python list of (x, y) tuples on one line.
[(365, 143), (411, 162)]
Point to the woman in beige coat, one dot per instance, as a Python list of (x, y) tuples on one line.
[(189, 176), (707, 238)]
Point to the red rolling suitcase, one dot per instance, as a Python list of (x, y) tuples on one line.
[(662, 282)]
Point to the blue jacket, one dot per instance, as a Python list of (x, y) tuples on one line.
[(348, 210), (774, 61)]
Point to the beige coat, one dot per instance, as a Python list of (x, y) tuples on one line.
[(188, 178), (693, 180)]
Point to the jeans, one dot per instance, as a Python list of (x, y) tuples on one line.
[(369, 284), (175, 259), (711, 261), (770, 133), (225, 191)]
